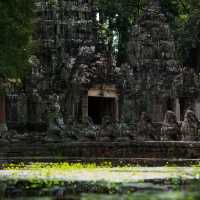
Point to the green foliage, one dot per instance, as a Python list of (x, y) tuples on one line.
[(15, 36), (190, 39), (116, 17), (184, 18)]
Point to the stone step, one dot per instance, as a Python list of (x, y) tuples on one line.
[(150, 151)]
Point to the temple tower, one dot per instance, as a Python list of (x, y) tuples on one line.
[(152, 59), (71, 58)]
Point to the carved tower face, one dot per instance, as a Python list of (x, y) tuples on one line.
[(151, 45)]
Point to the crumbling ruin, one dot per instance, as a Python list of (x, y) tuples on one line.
[(153, 64), (74, 60), (74, 86)]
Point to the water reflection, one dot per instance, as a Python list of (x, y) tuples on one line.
[(133, 196), (145, 196), (28, 198)]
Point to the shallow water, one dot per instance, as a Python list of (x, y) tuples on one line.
[(157, 183), (135, 196), (143, 196)]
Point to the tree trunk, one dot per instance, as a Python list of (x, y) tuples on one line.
[(3, 125)]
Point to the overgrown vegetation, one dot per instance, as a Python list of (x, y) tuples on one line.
[(116, 18), (184, 17), (15, 37)]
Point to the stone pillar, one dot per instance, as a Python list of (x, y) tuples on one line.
[(22, 109), (178, 109), (3, 125), (197, 108), (84, 108), (157, 114), (116, 109)]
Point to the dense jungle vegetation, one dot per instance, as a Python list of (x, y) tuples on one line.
[(116, 17), (183, 16), (15, 36)]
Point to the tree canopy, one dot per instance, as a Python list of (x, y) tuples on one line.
[(116, 18), (15, 36), (183, 16)]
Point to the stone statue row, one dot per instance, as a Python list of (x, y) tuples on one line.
[(171, 129), (145, 130)]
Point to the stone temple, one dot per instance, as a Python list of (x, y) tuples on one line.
[(155, 80), (74, 75), (73, 60), (152, 59), (161, 83)]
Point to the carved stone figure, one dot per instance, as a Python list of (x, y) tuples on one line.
[(145, 128), (170, 129), (108, 130), (55, 118), (71, 131), (190, 126)]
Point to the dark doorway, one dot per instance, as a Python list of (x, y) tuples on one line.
[(170, 104), (99, 107), (185, 103)]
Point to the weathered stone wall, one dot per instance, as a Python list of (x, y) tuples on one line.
[(153, 64), (155, 79), (68, 39), (70, 53), (141, 152)]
